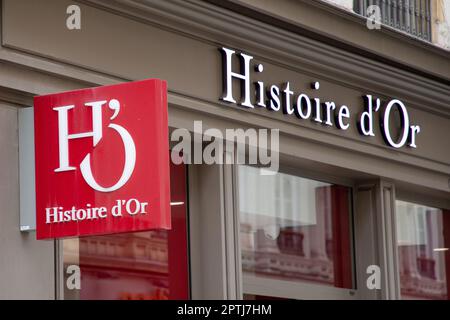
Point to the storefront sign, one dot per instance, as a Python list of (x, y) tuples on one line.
[(102, 160), (284, 99)]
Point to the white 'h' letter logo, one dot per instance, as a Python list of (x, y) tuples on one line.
[(96, 134)]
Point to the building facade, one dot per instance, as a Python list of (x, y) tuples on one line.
[(360, 94)]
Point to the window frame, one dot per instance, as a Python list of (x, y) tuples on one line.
[(59, 251), (408, 23), (418, 198), (297, 290)]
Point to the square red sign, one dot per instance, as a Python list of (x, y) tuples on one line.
[(102, 160)]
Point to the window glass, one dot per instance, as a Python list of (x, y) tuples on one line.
[(151, 265), (413, 17), (294, 229), (423, 241)]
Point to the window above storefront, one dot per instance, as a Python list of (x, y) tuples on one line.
[(427, 20), (410, 16)]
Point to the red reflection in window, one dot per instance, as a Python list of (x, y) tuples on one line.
[(299, 230), (423, 236), (446, 218), (150, 265)]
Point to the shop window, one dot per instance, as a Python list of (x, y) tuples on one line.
[(151, 265), (293, 231), (423, 240)]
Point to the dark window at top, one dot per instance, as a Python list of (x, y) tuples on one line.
[(410, 16)]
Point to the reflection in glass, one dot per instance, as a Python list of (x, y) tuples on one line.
[(120, 266), (294, 229), (423, 241), (151, 265)]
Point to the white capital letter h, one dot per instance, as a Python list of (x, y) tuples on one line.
[(64, 136)]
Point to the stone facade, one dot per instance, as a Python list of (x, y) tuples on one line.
[(441, 24)]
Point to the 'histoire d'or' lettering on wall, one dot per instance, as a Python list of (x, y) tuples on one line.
[(283, 98)]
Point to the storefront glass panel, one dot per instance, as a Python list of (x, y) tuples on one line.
[(294, 229), (423, 240), (150, 265)]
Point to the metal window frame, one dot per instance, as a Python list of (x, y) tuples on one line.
[(412, 17), (295, 289)]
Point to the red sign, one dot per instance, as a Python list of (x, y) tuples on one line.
[(102, 160)]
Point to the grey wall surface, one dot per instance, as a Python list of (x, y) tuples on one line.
[(26, 265)]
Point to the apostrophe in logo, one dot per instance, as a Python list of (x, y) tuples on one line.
[(96, 134)]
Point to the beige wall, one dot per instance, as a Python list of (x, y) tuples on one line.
[(26, 265)]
